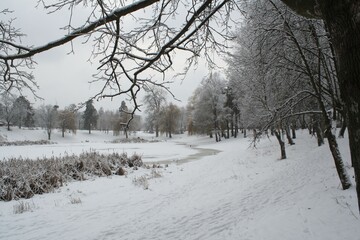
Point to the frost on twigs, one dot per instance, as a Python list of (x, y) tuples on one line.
[(23, 178)]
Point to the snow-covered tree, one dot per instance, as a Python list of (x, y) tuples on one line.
[(154, 100), (8, 110), (289, 64), (169, 119), (208, 102), (90, 116), (47, 117), (24, 112), (130, 55), (67, 119)]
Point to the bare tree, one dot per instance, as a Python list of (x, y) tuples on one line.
[(128, 58), (343, 24), (154, 100), (8, 110), (170, 116), (47, 115), (208, 106), (296, 54), (67, 119)]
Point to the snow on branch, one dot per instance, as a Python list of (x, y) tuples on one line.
[(130, 57)]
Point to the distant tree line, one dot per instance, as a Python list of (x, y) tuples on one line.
[(18, 111)]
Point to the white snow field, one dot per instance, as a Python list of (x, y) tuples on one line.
[(229, 192)]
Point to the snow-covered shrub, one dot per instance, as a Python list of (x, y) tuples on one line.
[(22, 207), (133, 140), (141, 181), (155, 173), (25, 143), (22, 178), (135, 161), (75, 200), (121, 171)]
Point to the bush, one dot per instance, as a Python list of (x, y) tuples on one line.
[(22, 207), (25, 142), (75, 200), (141, 181), (23, 178)]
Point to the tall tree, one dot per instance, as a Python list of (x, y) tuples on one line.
[(125, 117), (8, 110), (170, 116), (67, 119), (343, 23), (208, 106), (23, 112), (154, 99), (47, 115), (90, 116)]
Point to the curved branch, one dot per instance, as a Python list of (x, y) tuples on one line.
[(113, 16)]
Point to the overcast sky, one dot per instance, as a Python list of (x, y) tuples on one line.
[(64, 78)]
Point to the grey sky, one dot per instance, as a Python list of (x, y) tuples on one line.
[(64, 78)]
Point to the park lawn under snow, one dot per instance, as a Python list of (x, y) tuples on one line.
[(237, 193)]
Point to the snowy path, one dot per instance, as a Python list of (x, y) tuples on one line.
[(240, 193)]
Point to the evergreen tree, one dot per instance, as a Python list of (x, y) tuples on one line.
[(24, 113), (90, 116)]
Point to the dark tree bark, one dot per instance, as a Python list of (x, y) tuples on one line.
[(288, 136), (236, 125), (293, 131), (343, 126), (281, 143)]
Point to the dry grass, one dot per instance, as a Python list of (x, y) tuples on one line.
[(22, 207), (25, 143), (141, 181), (23, 178)]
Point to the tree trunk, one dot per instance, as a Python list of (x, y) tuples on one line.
[(236, 126), (288, 136), (282, 144), (342, 130), (293, 131), (156, 131), (319, 135), (49, 135), (343, 22), (343, 127), (227, 130), (344, 177)]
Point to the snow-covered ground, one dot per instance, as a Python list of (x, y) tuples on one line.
[(229, 192)]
